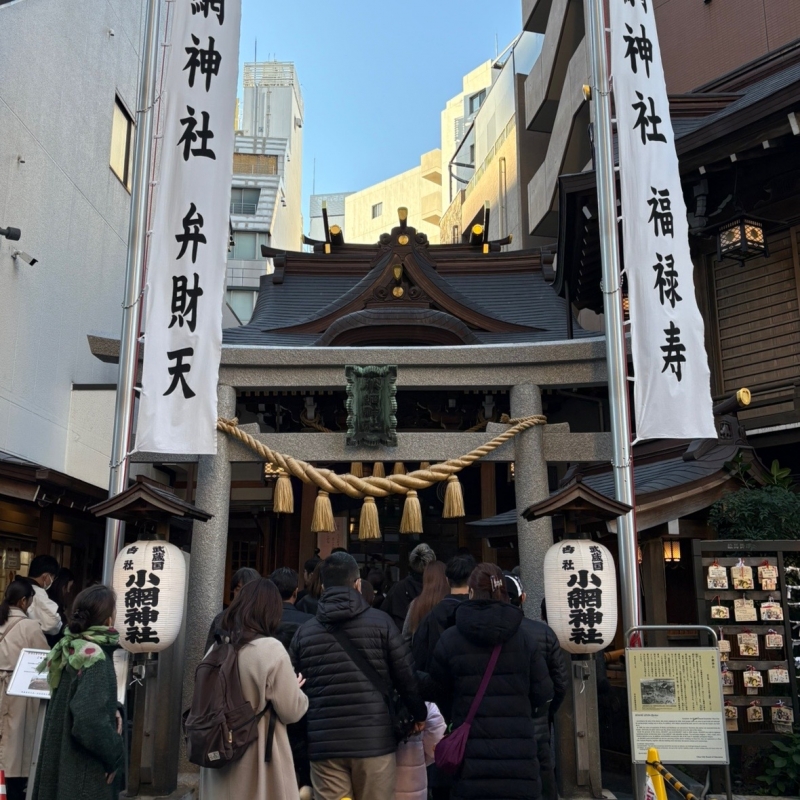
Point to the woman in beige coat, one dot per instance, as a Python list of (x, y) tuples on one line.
[(267, 675), (18, 715)]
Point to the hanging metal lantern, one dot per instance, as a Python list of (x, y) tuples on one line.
[(150, 582), (580, 585), (741, 239)]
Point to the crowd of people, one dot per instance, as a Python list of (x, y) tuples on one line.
[(353, 686)]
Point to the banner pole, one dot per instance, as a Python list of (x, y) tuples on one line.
[(616, 351), (134, 282)]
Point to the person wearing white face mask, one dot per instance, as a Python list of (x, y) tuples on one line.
[(42, 572)]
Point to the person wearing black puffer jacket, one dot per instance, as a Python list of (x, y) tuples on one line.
[(554, 657), (351, 742), (501, 760)]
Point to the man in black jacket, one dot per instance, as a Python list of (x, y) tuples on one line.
[(291, 619), (350, 738), (399, 597), (554, 658), (442, 616)]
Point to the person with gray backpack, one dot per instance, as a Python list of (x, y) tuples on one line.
[(245, 694)]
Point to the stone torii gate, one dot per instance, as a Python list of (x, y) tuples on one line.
[(524, 370)]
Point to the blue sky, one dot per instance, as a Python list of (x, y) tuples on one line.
[(375, 75)]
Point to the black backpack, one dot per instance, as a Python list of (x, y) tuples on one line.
[(220, 724)]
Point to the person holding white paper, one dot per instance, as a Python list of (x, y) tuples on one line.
[(17, 714)]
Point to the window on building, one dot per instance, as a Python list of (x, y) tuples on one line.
[(245, 246), (377, 210), (476, 101), (456, 234), (244, 201), (122, 144), (472, 154), (242, 303), (248, 164)]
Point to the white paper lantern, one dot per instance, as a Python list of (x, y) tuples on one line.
[(580, 586), (150, 582)]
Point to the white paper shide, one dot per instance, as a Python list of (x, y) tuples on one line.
[(672, 381), (187, 254)]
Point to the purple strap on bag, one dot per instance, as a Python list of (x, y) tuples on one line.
[(449, 753)]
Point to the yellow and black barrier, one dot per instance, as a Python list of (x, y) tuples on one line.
[(659, 773)]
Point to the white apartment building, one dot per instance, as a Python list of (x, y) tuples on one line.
[(497, 156), (373, 210), (457, 118), (266, 192), (66, 141)]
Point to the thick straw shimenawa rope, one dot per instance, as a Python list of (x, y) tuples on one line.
[(329, 481)]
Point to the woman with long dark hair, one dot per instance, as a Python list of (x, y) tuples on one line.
[(82, 749), (309, 603), (435, 588), (501, 752), (267, 677), (17, 714)]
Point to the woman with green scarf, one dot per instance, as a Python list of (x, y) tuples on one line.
[(82, 749)]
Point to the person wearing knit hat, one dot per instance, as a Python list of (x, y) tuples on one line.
[(399, 597)]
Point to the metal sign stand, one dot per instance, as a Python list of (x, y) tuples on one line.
[(37, 746), (705, 629)]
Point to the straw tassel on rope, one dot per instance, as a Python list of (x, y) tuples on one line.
[(453, 499), (378, 470), (411, 521), (283, 498), (424, 464), (322, 521), (357, 469), (399, 468), (369, 526)]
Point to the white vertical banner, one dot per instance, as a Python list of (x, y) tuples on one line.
[(187, 254), (672, 381)]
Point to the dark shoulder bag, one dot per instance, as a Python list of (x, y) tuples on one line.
[(449, 753), (400, 717)]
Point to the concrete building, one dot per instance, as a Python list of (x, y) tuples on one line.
[(66, 139), (457, 116), (266, 193), (492, 162), (335, 206), (368, 213)]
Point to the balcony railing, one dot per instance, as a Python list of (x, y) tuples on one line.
[(243, 208)]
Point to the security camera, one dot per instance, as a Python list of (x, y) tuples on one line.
[(24, 257), (12, 234)]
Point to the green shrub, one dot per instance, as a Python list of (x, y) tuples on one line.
[(783, 775), (771, 512)]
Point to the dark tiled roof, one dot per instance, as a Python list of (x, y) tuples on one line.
[(668, 474), (651, 477), (522, 298), (754, 94)]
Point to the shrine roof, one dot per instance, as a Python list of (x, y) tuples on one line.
[(662, 476), (357, 294)]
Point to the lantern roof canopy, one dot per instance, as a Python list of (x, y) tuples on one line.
[(581, 502), (147, 500)]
